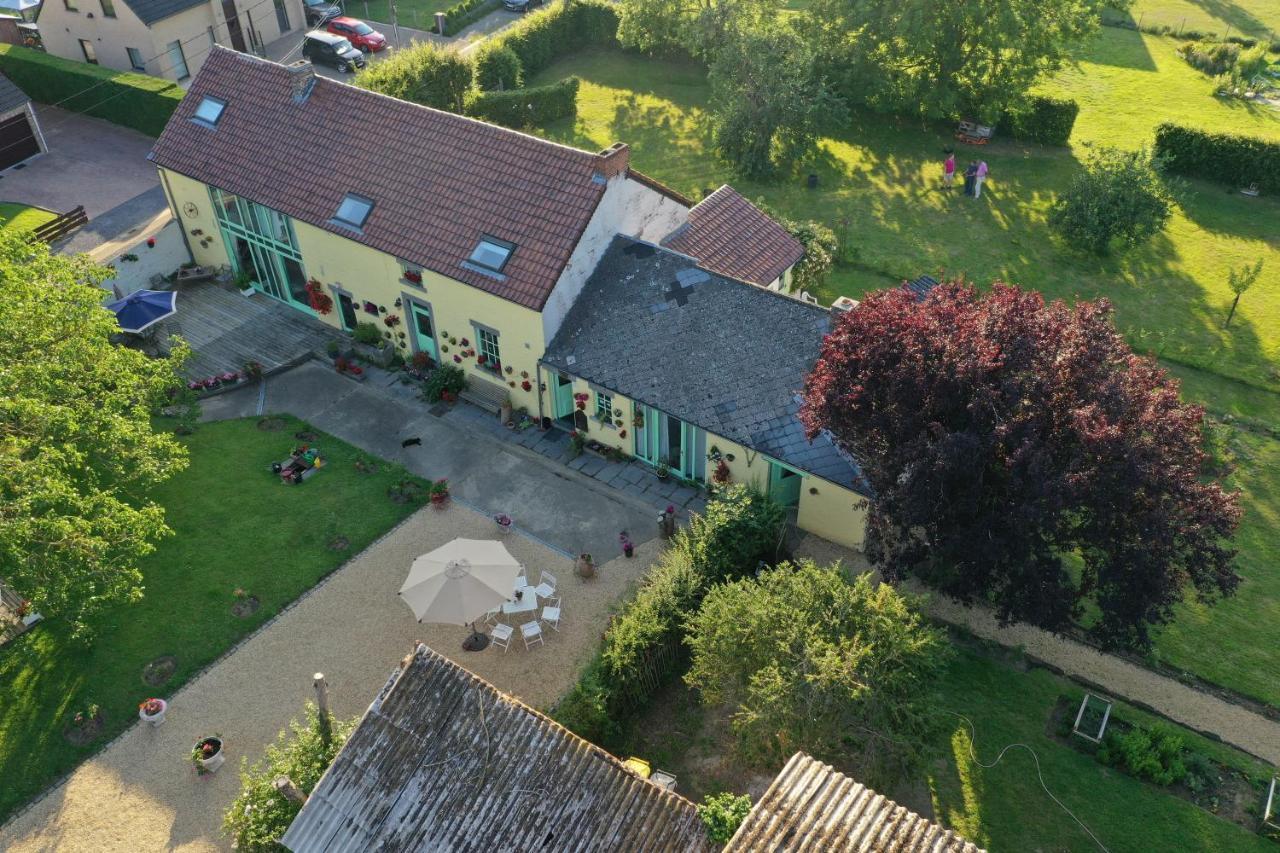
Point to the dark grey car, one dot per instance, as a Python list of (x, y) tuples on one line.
[(319, 11), (329, 49)]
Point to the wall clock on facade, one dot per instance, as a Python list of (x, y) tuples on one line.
[(191, 210)]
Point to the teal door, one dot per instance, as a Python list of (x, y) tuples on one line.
[(666, 439), (784, 484), (424, 331), (563, 398)]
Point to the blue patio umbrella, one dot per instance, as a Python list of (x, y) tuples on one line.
[(144, 308)]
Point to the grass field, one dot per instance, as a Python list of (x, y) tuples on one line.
[(1170, 296), (21, 217), (418, 14), (1258, 18), (237, 527), (1002, 808)]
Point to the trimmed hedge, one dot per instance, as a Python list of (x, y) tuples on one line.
[(423, 73), (461, 15), (1042, 119), (497, 68), (1227, 158), (138, 101), (535, 105), (544, 36)]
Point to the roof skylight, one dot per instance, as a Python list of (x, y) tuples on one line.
[(354, 211), (492, 253), (209, 111)]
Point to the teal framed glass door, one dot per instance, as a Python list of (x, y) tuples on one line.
[(264, 247), (784, 484), (424, 329), (562, 400), (664, 438)]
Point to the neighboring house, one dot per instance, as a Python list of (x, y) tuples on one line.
[(163, 38), (444, 761), (811, 806), (20, 136), (472, 244)]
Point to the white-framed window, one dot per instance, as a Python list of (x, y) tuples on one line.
[(177, 61), (90, 55), (136, 62), (487, 348), (604, 407)]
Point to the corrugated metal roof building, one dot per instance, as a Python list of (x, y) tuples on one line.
[(444, 761), (812, 807)]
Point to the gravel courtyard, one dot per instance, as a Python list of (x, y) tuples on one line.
[(141, 793)]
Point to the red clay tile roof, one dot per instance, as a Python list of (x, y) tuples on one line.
[(438, 180), (731, 236)]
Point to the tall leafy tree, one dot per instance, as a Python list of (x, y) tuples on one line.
[(947, 59), (812, 661), (768, 100), (1119, 200), (1001, 435), (698, 27), (77, 449), (1240, 281)]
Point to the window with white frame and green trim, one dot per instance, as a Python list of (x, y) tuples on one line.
[(604, 407), (487, 348)]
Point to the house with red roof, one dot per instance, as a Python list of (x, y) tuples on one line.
[(559, 280)]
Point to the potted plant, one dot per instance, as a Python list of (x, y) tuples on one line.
[(439, 491), (503, 521), (253, 369), (152, 711), (628, 547), (585, 566), (244, 282), (662, 469), (321, 302), (207, 755)]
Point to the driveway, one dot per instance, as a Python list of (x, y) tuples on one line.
[(91, 162)]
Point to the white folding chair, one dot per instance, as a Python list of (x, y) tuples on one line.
[(491, 616), (546, 585), (532, 633), (501, 636), (522, 581), (551, 613)]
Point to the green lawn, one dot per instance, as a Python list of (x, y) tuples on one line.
[(1170, 296), (1003, 809), (417, 14), (1258, 18), (236, 527), (21, 217)]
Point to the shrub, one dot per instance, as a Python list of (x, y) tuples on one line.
[(422, 73), (367, 333), (820, 251), (1213, 58), (1154, 754), (260, 815), (497, 67), (1227, 158), (1042, 119), (723, 813), (740, 529), (1118, 200), (584, 710), (461, 15), (544, 36), (534, 106), (137, 101), (445, 380)]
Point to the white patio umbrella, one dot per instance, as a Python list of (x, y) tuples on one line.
[(459, 582)]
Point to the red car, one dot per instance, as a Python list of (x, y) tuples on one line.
[(360, 34)]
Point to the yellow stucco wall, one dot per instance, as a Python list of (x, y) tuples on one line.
[(833, 513)]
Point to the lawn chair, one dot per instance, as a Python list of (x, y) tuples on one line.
[(532, 633), (501, 636), (551, 613), (546, 585)]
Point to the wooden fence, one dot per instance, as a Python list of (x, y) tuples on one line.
[(63, 225)]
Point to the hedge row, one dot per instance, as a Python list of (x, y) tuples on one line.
[(461, 15), (545, 36), (137, 101), (1227, 158), (535, 105), (644, 646), (1042, 119)]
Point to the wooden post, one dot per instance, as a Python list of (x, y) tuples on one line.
[(322, 694), (289, 791)]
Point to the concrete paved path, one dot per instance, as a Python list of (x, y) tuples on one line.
[(571, 512), (142, 794)]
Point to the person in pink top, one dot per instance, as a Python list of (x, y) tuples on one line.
[(979, 179), (949, 171)]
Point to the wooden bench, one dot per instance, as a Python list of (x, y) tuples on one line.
[(487, 395)]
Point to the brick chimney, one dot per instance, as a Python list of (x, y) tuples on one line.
[(614, 159), (302, 77)]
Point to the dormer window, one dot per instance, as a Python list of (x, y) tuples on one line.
[(353, 212), (492, 253), (209, 111)]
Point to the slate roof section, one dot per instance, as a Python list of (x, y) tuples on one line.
[(731, 236), (732, 359), (439, 181), (921, 286), (11, 97), (444, 761), (810, 806), (151, 11)]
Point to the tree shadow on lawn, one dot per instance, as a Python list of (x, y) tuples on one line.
[(1119, 47), (1237, 17)]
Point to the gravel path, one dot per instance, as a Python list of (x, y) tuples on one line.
[(1233, 724), (142, 794)]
